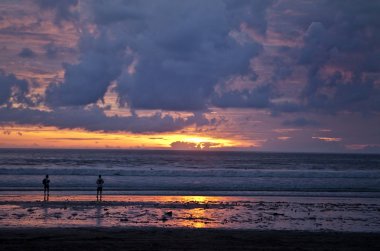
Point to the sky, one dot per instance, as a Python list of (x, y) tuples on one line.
[(252, 75)]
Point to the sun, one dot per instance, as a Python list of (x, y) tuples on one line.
[(198, 139)]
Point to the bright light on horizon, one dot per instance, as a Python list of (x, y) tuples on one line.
[(51, 137)]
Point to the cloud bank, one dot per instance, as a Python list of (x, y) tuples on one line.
[(288, 59), (95, 119)]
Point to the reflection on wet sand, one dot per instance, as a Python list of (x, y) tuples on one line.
[(121, 198), (198, 199), (339, 214), (46, 214), (197, 218), (98, 216)]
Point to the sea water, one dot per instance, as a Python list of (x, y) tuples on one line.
[(190, 172)]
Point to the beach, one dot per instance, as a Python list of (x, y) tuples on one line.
[(78, 222), (218, 212)]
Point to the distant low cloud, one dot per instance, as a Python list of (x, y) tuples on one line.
[(183, 145), (364, 148), (328, 139), (180, 145)]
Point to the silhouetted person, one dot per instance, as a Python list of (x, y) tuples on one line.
[(99, 190), (46, 183)]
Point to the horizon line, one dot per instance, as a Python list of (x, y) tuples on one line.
[(191, 150)]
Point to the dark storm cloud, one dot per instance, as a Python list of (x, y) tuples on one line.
[(179, 52), (347, 41), (95, 119), (62, 8), (171, 56), (182, 55), (84, 83), (12, 89), (27, 53), (358, 94), (178, 67), (182, 82)]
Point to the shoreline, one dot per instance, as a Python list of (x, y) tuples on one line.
[(181, 239), (310, 194)]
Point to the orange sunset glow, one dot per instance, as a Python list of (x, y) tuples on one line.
[(78, 75), (50, 137)]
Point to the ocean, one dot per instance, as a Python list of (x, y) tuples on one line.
[(190, 172)]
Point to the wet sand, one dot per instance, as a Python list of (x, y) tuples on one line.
[(181, 239), (188, 223), (243, 213)]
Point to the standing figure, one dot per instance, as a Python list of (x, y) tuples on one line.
[(46, 183), (99, 190)]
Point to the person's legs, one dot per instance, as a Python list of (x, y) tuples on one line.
[(47, 192)]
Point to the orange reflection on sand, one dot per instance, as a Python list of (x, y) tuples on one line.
[(198, 218), (83, 210), (277, 213), (122, 198), (198, 199)]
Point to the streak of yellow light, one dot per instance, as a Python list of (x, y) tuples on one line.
[(51, 137), (199, 199)]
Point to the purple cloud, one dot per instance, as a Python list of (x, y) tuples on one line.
[(27, 53), (95, 119)]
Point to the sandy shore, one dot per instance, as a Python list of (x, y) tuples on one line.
[(181, 239), (188, 223), (249, 213)]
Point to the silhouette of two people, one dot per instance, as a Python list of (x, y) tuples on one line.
[(46, 183), (99, 190)]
